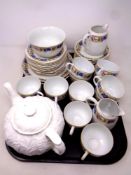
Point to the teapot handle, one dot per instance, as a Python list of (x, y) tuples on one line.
[(58, 144)]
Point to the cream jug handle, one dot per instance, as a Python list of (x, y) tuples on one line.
[(58, 144), (85, 38), (106, 26), (96, 79)]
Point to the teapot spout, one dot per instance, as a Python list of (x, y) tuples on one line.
[(15, 98), (106, 26)]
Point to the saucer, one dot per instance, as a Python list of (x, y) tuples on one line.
[(81, 51)]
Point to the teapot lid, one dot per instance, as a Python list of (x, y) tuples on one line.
[(31, 116)]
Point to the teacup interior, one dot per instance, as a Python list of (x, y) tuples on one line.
[(97, 139), (77, 113), (83, 65), (113, 86), (56, 86), (109, 107), (108, 65), (80, 90), (28, 85), (46, 36)]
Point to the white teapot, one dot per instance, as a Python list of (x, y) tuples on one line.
[(33, 125)]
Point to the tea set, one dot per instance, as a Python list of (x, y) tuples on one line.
[(35, 122)]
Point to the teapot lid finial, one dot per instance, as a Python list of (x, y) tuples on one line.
[(29, 110), (32, 116)]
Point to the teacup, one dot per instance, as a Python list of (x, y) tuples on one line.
[(56, 86), (46, 41), (77, 114), (80, 68), (80, 90), (96, 139), (95, 41), (106, 67), (109, 86), (29, 86), (107, 112)]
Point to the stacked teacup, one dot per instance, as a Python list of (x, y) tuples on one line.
[(46, 54)]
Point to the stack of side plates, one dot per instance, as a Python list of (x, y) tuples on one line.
[(43, 68)]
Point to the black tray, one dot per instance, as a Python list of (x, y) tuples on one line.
[(73, 147), (74, 150)]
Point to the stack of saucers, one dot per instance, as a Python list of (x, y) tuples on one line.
[(46, 54), (94, 45)]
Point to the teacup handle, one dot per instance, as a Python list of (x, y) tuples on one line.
[(39, 93), (69, 66), (84, 155), (56, 99), (92, 99), (58, 144), (85, 38), (72, 130), (99, 72), (96, 79)]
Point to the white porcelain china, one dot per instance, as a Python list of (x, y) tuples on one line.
[(95, 41), (28, 86), (46, 41), (77, 114), (98, 96), (107, 111), (80, 51), (44, 59), (96, 139), (81, 68), (43, 78), (80, 90), (56, 87), (43, 72), (33, 125), (110, 124), (106, 67), (109, 86), (30, 56)]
